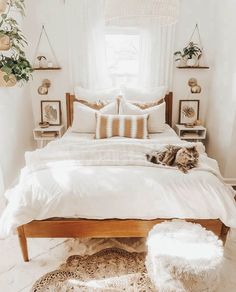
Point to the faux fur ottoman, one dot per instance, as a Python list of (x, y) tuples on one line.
[(183, 256)]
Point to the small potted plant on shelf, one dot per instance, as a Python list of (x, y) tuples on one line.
[(190, 55), (14, 69)]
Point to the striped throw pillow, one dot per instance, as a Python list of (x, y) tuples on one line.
[(130, 126)]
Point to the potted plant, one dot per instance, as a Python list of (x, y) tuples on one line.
[(190, 55), (11, 36), (14, 69)]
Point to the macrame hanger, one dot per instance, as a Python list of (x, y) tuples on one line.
[(43, 30), (196, 30)]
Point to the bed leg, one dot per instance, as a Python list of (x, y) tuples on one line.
[(224, 232), (23, 243)]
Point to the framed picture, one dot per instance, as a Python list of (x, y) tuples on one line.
[(188, 111), (51, 112)]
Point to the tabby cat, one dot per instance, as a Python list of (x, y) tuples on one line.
[(182, 157)]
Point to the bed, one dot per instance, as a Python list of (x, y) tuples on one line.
[(120, 211)]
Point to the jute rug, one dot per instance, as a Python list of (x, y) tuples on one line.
[(110, 269)]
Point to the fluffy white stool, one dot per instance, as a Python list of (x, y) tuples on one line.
[(183, 256)]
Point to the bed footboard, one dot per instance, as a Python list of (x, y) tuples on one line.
[(72, 228)]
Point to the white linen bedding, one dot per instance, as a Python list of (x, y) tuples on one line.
[(100, 179)]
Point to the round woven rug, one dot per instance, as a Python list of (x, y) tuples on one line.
[(111, 269)]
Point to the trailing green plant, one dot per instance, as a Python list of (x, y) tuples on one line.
[(9, 27), (190, 51), (15, 65)]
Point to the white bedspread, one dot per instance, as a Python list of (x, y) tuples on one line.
[(104, 179)]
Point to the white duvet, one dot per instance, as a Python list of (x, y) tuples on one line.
[(101, 179)]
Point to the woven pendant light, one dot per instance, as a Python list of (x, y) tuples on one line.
[(164, 12)]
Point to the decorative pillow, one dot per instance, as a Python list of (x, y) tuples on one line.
[(145, 105), (140, 94), (97, 105), (157, 115), (123, 126), (84, 117)]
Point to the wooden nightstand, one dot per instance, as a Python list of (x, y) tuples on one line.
[(45, 135), (196, 133)]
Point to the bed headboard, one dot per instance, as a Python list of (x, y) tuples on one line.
[(70, 98)]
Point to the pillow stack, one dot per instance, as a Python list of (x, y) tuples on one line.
[(133, 115)]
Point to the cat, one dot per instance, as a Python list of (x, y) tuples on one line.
[(184, 158)]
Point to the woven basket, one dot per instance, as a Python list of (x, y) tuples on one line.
[(3, 6), (5, 43), (12, 81)]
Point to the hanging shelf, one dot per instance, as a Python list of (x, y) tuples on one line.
[(196, 30), (45, 67), (193, 67)]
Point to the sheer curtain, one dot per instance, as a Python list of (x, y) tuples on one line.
[(156, 55), (86, 42), (87, 46)]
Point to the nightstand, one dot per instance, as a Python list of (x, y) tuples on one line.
[(196, 133), (45, 135)]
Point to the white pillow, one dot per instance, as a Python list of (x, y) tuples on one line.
[(84, 117), (140, 94), (157, 114), (95, 95)]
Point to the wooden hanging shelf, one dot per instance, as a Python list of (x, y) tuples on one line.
[(47, 69), (193, 67)]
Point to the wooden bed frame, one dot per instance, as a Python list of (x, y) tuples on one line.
[(67, 228)]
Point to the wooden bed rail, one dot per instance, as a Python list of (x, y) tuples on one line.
[(72, 228)]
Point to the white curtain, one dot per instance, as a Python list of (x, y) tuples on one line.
[(86, 42), (156, 55)]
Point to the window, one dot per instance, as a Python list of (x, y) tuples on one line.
[(123, 50)]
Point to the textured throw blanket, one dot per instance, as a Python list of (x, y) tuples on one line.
[(108, 153)]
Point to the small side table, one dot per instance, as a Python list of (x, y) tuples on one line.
[(45, 135), (196, 133)]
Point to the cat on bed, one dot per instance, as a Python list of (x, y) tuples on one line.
[(184, 158)]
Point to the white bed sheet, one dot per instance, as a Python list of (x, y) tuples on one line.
[(70, 190)]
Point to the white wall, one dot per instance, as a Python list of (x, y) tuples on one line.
[(16, 123), (221, 119), (52, 15)]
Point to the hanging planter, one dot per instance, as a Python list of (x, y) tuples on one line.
[(193, 54), (5, 43), (14, 69), (11, 79), (3, 6)]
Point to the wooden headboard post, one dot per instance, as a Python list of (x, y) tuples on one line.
[(71, 98), (169, 108), (69, 108)]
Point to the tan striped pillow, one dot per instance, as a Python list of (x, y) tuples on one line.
[(130, 126)]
